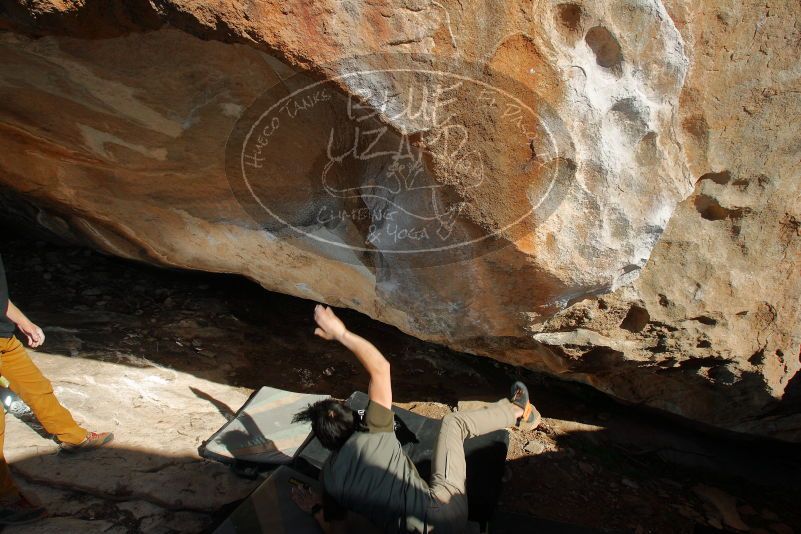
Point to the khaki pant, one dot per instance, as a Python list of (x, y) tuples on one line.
[(28, 382), (449, 466)]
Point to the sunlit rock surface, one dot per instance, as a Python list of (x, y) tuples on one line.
[(150, 478), (638, 212)]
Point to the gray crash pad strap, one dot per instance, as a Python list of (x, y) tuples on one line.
[(262, 431)]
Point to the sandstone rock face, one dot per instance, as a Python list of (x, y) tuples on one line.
[(617, 183)]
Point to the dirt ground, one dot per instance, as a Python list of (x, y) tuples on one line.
[(593, 462)]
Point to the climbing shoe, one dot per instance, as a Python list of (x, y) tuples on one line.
[(519, 396)]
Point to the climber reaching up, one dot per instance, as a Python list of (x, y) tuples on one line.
[(367, 471)]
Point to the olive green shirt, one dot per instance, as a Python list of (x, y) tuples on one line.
[(372, 476)]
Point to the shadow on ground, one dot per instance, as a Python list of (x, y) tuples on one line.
[(84, 503), (85, 506)]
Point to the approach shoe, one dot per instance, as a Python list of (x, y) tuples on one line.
[(94, 440)]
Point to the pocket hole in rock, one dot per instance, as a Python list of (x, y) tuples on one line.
[(635, 319), (605, 47)]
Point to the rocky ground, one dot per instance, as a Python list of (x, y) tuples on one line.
[(163, 357)]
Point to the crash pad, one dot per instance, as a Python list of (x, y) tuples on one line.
[(262, 431), (271, 509)]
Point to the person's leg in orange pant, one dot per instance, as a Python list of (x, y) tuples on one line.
[(8, 490), (27, 381), (15, 508)]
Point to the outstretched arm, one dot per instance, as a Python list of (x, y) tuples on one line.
[(34, 334), (330, 327)]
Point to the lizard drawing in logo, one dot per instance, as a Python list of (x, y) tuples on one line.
[(390, 173)]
